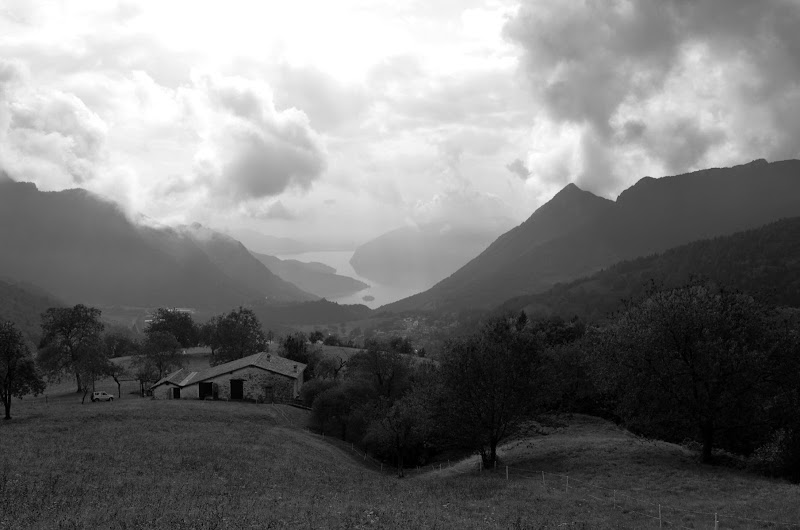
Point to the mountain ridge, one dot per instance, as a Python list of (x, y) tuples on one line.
[(574, 234)]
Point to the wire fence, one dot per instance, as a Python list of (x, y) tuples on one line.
[(659, 514), (656, 514)]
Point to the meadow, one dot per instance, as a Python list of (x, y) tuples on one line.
[(143, 463)]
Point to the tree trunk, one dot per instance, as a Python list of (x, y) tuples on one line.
[(398, 451), (85, 391), (707, 431), (78, 380), (119, 387), (7, 405), (344, 431)]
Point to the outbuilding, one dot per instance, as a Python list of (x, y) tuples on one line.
[(263, 377)]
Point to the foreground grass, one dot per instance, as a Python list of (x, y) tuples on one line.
[(139, 463)]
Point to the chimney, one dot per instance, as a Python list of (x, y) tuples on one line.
[(294, 368), (269, 357)]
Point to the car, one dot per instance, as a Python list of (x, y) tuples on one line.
[(102, 396)]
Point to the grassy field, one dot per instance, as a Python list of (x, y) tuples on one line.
[(142, 463)]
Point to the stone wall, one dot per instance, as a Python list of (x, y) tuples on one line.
[(255, 386)]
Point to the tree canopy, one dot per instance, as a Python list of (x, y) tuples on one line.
[(233, 336), (180, 324), (68, 335), (697, 362), (18, 374)]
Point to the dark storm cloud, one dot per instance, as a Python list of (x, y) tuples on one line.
[(590, 61)]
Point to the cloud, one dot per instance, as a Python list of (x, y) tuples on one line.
[(276, 210), (519, 168), (47, 135), (463, 208), (250, 150), (676, 84)]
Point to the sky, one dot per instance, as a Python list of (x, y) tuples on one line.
[(338, 121)]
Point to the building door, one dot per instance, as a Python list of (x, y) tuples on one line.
[(237, 389), (206, 390), (176, 393)]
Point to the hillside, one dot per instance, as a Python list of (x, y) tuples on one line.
[(213, 464), (764, 262), (419, 256), (316, 278), (83, 249), (23, 304), (577, 233), (235, 261), (278, 316)]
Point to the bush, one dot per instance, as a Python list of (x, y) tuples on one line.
[(779, 456)]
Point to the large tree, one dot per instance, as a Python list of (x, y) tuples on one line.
[(236, 335), (68, 334), (18, 375), (179, 323), (119, 343), (491, 383), (160, 354), (697, 362)]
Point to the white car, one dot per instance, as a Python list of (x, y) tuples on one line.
[(102, 396)]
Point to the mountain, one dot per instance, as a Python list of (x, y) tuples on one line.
[(419, 256), (314, 277), (763, 262), (233, 259), (577, 233), (83, 249), (23, 304)]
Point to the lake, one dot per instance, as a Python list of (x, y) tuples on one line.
[(340, 260)]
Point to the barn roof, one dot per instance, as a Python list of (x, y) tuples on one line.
[(263, 360)]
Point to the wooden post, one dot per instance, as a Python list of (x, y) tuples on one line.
[(506, 472), (659, 516), (615, 498), (566, 489), (716, 521), (480, 465), (543, 484), (381, 467)]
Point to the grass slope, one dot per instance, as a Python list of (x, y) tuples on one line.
[(140, 463)]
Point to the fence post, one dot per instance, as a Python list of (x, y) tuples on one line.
[(480, 465), (716, 521), (543, 484), (566, 490), (506, 472), (659, 516), (615, 499)]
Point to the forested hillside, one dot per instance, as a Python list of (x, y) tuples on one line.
[(764, 262)]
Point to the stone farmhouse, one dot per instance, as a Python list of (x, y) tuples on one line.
[(263, 377)]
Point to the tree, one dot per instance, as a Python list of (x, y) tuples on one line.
[(18, 374), (92, 365), (180, 324), (697, 361), (236, 335), (491, 382), (400, 425), (68, 335), (341, 405), (295, 346), (316, 336), (208, 334), (117, 343), (387, 372), (160, 355)]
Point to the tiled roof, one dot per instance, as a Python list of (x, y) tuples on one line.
[(264, 360)]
